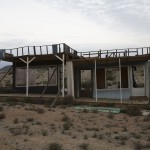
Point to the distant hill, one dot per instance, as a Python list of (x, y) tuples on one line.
[(6, 68)]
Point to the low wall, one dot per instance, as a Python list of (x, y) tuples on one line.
[(113, 94)]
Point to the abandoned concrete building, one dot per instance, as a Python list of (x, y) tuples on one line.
[(53, 69)]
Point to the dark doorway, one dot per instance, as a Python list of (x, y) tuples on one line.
[(85, 83)]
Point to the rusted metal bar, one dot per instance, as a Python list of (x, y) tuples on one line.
[(34, 50), (28, 51), (100, 53), (137, 51), (128, 52), (107, 54), (59, 48), (47, 49), (41, 50), (17, 52), (22, 51), (116, 52)]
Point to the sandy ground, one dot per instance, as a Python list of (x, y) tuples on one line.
[(34, 127)]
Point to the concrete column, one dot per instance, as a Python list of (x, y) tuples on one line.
[(70, 78), (27, 77), (95, 81)]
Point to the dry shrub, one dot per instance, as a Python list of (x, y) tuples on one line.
[(84, 146), (55, 146), (133, 111), (1, 108), (68, 100), (2, 116)]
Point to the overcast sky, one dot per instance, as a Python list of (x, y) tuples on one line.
[(82, 24)]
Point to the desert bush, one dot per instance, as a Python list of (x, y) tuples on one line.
[(55, 146), (148, 138), (133, 111), (94, 135), (100, 136), (125, 129), (85, 111), (65, 118), (2, 116), (40, 110), (67, 122), (44, 132), (122, 142), (16, 120), (67, 125), (95, 111), (19, 130), (30, 119), (121, 137), (138, 145), (38, 123), (68, 100), (85, 137), (146, 118), (84, 146), (1, 108), (136, 136), (110, 115)]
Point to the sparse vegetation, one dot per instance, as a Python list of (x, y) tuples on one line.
[(16, 120), (110, 115), (67, 125), (55, 146), (40, 110), (133, 111), (68, 100), (44, 132), (65, 118), (2, 116), (1, 108), (84, 146), (30, 119), (95, 110), (71, 125), (85, 110), (94, 135)]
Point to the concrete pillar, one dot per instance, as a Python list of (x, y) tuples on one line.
[(70, 78)]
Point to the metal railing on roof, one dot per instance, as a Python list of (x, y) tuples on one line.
[(38, 50), (64, 48), (116, 52)]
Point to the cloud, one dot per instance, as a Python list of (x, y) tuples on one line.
[(88, 22), (128, 14)]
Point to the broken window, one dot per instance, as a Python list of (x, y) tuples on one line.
[(20, 77), (112, 78), (109, 78), (53, 71), (38, 76), (124, 77), (138, 76), (86, 83)]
